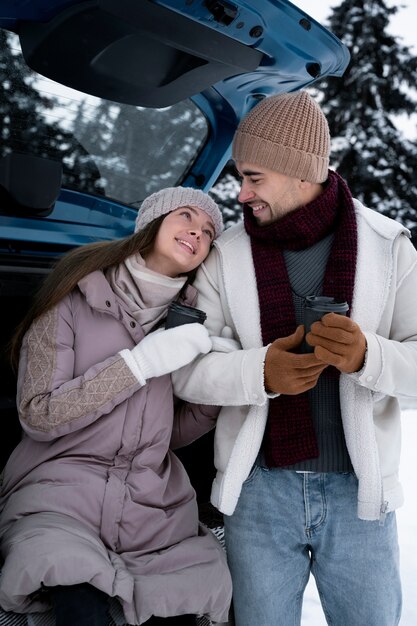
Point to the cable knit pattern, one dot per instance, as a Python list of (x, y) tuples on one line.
[(45, 412)]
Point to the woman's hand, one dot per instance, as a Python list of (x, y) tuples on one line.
[(164, 351)]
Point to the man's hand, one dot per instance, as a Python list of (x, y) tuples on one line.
[(338, 341), (289, 373)]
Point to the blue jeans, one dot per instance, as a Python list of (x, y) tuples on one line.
[(288, 524)]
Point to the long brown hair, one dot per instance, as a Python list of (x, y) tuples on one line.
[(76, 264)]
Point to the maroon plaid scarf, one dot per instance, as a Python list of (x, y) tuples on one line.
[(290, 436)]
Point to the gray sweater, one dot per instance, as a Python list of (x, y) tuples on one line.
[(306, 270)]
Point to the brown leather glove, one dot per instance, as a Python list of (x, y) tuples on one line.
[(338, 341), (289, 373)]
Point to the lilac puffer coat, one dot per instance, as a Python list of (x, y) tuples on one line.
[(93, 492)]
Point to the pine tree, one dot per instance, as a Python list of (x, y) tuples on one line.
[(225, 192), (368, 150), (85, 162), (21, 105), (29, 122), (157, 145)]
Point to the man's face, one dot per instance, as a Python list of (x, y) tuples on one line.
[(269, 194)]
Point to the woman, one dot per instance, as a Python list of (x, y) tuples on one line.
[(95, 505)]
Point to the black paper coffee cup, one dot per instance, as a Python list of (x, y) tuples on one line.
[(314, 309), (179, 314)]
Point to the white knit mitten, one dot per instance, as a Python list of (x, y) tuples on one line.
[(164, 351)]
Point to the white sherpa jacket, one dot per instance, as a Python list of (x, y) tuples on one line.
[(385, 307)]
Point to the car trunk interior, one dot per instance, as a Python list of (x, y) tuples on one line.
[(14, 299)]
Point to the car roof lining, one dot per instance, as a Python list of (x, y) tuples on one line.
[(137, 53)]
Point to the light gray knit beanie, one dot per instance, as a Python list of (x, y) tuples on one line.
[(287, 133), (171, 198)]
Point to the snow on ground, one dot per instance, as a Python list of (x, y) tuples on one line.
[(407, 532)]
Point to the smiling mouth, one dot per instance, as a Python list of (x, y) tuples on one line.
[(187, 244), (257, 208)]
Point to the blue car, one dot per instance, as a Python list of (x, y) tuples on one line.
[(103, 102), (106, 101)]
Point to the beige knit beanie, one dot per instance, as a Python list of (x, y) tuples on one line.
[(171, 198), (287, 133)]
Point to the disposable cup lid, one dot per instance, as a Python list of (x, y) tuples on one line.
[(190, 311), (326, 304)]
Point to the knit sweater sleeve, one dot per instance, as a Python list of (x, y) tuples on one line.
[(52, 401), (232, 378)]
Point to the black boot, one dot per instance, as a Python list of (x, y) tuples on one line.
[(79, 605), (177, 620)]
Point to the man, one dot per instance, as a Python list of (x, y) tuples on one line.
[(307, 444)]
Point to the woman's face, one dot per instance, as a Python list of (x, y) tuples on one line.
[(182, 243)]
